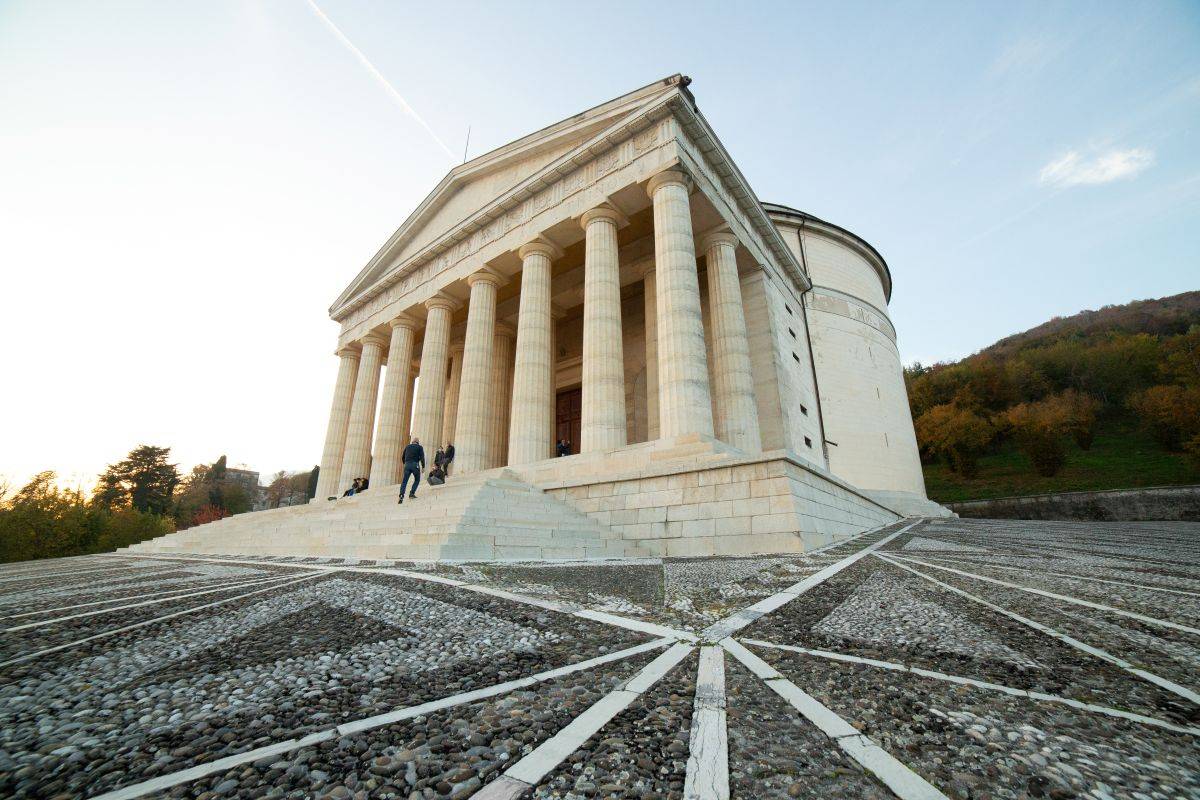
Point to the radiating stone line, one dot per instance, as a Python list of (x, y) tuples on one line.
[(604, 617), (1169, 685), (707, 776), (905, 783), (1162, 623), (345, 729), (942, 676), (232, 585), (527, 772), (1072, 575), (735, 622), (103, 634), (46, 622)]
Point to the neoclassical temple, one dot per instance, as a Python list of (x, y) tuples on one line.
[(724, 369)]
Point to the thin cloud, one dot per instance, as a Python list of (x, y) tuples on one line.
[(1075, 169)]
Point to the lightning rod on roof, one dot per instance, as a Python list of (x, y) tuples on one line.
[(468, 143)]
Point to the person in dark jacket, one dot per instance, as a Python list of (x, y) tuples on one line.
[(449, 459), (439, 458), (414, 461)]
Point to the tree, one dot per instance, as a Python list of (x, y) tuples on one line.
[(1181, 358), (1080, 410), (956, 434), (1170, 413), (1040, 429), (144, 480)]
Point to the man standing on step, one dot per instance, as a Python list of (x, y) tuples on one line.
[(414, 461)]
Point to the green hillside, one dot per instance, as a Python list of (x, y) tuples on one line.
[(1099, 400)]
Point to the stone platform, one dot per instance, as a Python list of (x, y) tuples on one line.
[(688, 497)]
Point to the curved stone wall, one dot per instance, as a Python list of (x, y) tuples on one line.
[(864, 404)]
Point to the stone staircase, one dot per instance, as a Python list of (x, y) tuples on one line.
[(492, 516)]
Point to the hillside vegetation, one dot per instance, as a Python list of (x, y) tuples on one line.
[(1103, 399)]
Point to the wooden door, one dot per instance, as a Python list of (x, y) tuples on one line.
[(569, 417)]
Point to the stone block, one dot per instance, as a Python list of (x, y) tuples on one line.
[(775, 523), (652, 514), (681, 513)]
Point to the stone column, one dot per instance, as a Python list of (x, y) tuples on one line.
[(556, 316), (356, 463), (431, 389), (407, 414), (502, 386), (397, 385), (684, 405), (450, 416), (471, 451), (339, 419), (603, 425), (531, 430), (650, 289), (736, 420)]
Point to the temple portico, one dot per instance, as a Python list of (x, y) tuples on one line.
[(723, 370)]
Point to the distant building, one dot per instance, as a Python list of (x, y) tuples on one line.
[(248, 480)]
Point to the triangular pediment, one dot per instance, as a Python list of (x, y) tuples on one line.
[(471, 186)]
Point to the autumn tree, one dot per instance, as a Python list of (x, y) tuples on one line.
[(1040, 429), (958, 435), (1170, 413)]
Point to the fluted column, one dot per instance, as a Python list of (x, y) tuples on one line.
[(356, 463), (431, 388), (603, 425), (684, 405), (407, 414), (450, 416), (556, 316), (736, 420), (397, 384), (650, 290), (471, 451), (339, 419), (531, 430), (502, 384)]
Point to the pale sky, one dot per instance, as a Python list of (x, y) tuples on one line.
[(185, 187)]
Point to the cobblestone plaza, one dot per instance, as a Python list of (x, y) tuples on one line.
[(924, 659)]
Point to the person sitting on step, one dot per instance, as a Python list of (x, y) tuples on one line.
[(437, 476), (414, 461)]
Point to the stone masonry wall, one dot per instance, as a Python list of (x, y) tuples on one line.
[(1158, 503)]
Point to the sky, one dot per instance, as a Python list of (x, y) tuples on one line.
[(185, 187)]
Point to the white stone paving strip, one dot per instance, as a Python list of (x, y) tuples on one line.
[(234, 584), (942, 676), (103, 634), (73, 573), (1157, 680), (1162, 623), (707, 775), (45, 622), (220, 765), (903, 782), (1071, 575), (527, 772), (735, 622), (614, 620)]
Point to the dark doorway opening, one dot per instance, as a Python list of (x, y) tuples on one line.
[(568, 417)]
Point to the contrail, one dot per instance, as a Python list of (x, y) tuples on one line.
[(379, 77)]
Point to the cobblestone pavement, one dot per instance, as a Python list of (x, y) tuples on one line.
[(951, 658)]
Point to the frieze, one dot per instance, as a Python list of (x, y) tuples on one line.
[(845, 306)]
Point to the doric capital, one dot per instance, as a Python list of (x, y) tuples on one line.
[(504, 329), (669, 177), (603, 211), (442, 301), (718, 237), (349, 351), (374, 338), (405, 321), (540, 245), (485, 275)]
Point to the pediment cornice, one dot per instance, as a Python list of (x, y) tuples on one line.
[(597, 155)]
